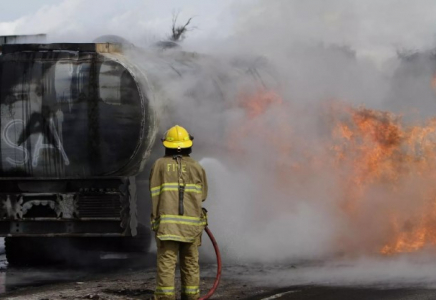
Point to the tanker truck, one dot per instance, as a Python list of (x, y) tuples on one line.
[(77, 126)]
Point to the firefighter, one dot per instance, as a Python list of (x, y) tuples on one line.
[(178, 187)]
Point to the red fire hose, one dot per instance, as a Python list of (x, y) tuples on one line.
[(219, 265)]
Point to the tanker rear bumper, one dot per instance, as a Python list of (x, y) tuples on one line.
[(53, 228), (68, 207)]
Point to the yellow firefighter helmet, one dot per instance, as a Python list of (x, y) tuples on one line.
[(177, 137)]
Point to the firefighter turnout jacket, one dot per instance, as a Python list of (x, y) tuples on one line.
[(166, 181)]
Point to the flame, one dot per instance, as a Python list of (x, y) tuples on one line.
[(255, 104), (385, 156), (254, 131), (385, 167)]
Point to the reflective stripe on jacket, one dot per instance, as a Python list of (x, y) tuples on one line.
[(164, 189)]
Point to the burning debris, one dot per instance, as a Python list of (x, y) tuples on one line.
[(384, 169), (393, 163)]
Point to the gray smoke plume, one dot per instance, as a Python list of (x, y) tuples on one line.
[(263, 94), (270, 200)]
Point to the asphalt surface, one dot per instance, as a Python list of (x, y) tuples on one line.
[(55, 283), (402, 278), (347, 293)]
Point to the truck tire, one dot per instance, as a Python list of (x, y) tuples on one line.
[(36, 251), (14, 251), (21, 251), (39, 251)]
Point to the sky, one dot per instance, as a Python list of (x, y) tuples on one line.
[(371, 27), (17, 9), (78, 20)]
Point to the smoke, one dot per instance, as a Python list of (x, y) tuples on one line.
[(262, 85), (140, 21), (379, 273), (264, 104), (370, 27)]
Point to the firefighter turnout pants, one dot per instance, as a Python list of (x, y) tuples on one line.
[(167, 252)]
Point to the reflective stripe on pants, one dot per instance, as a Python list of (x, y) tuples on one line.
[(190, 290), (165, 290), (167, 252)]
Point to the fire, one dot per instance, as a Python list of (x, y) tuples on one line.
[(386, 157), (262, 132), (369, 148), (257, 103), (385, 167)]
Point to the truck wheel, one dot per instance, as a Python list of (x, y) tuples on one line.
[(34, 251), (22, 252), (14, 251)]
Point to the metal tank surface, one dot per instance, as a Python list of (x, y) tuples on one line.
[(77, 125), (71, 111)]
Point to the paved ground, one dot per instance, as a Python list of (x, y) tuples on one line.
[(122, 283), (348, 293), (384, 278), (139, 284)]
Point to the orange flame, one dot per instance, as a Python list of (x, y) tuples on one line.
[(386, 168)]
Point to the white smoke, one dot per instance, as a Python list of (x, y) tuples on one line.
[(306, 51), (139, 21), (253, 231), (309, 53), (370, 27)]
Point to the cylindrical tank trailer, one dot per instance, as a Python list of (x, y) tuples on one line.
[(77, 125)]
